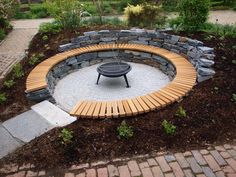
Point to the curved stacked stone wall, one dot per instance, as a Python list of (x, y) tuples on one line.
[(202, 57)]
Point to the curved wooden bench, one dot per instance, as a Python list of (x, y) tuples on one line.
[(182, 83)]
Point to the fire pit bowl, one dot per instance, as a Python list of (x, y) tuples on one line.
[(114, 69)]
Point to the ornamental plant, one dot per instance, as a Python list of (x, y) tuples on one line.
[(234, 97), (18, 71), (181, 112), (125, 131), (144, 15), (193, 13), (67, 12), (9, 83), (66, 136), (168, 127), (3, 98)]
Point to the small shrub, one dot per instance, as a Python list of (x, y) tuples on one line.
[(66, 136), (33, 60), (3, 98), (125, 131), (234, 97), (39, 11), (45, 38), (168, 127), (2, 34), (194, 13), (144, 15), (18, 71), (66, 12), (9, 83), (222, 31), (181, 112), (53, 28)]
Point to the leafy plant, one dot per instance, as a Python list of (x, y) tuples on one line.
[(18, 71), (66, 12), (125, 131), (53, 28), (168, 127), (9, 83), (181, 112), (2, 34), (45, 38), (222, 31), (234, 97), (66, 136), (193, 13), (144, 15), (3, 98), (33, 60)]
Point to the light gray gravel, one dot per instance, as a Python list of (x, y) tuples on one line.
[(80, 85)]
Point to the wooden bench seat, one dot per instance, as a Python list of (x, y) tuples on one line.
[(182, 83)]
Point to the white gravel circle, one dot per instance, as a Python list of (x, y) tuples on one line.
[(81, 85)]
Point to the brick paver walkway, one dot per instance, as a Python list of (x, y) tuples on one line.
[(218, 161), (15, 45)]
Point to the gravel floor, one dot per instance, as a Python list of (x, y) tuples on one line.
[(81, 85)]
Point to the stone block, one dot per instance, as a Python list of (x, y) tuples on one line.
[(205, 62), (145, 55), (138, 42), (206, 50), (160, 60), (7, 143), (53, 114), (109, 54), (65, 47), (91, 33), (27, 126), (87, 56), (205, 71)]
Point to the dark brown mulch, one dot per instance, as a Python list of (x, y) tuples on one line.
[(211, 119)]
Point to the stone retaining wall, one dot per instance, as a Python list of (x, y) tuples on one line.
[(200, 56)]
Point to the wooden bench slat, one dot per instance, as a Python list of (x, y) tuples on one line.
[(86, 109), (115, 112), (76, 107), (143, 104), (153, 101), (91, 109), (132, 107), (102, 113), (121, 108), (97, 110), (81, 108), (109, 110), (138, 106)]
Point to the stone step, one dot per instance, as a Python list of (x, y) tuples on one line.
[(53, 114), (27, 126)]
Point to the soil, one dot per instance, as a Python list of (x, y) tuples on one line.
[(211, 119)]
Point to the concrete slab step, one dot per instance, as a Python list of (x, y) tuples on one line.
[(7, 142), (53, 114), (27, 126)]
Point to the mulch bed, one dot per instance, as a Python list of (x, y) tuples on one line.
[(211, 119)]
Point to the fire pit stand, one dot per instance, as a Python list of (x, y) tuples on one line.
[(114, 69)]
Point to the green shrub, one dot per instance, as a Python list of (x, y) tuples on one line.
[(194, 13), (67, 12), (9, 83), (53, 28), (96, 21), (39, 11), (33, 60), (168, 127), (125, 131), (234, 97), (123, 4), (66, 136), (176, 24), (220, 30), (18, 71), (3, 98), (144, 15), (45, 37), (2, 34), (181, 112)]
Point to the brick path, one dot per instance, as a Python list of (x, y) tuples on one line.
[(14, 46), (218, 161)]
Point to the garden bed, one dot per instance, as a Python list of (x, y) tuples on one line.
[(211, 116)]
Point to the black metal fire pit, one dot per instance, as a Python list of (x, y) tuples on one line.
[(114, 69)]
